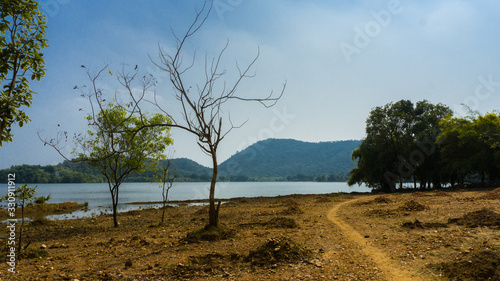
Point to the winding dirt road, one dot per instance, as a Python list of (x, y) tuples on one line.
[(391, 268)]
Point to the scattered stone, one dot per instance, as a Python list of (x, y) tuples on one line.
[(58, 246), (214, 264)]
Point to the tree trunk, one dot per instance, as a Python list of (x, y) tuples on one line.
[(213, 213), (21, 230), (115, 216), (114, 198), (163, 213), (165, 200)]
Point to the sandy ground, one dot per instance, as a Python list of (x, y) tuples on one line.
[(433, 235)]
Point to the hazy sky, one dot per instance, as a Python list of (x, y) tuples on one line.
[(339, 59)]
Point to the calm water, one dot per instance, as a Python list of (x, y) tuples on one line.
[(99, 199)]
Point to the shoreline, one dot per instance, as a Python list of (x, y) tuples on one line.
[(233, 199)]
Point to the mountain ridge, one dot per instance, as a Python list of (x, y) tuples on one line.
[(266, 160), (288, 157)]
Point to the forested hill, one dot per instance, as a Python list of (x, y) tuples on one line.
[(268, 160), (68, 172), (291, 159)]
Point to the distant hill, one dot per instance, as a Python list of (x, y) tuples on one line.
[(288, 158), (268, 160), (79, 172), (190, 170)]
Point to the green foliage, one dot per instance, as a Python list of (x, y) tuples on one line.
[(399, 145), (118, 146), (286, 159), (66, 172), (22, 31), (119, 143), (425, 143), (24, 194), (42, 199), (182, 168), (469, 146), (272, 160)]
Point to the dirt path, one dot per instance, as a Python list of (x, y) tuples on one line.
[(391, 268)]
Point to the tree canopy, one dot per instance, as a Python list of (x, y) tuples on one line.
[(22, 31), (470, 148), (399, 145), (117, 148)]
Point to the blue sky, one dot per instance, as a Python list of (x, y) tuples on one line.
[(340, 59)]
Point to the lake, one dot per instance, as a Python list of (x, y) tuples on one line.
[(99, 199)]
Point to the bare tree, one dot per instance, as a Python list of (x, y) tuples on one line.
[(167, 179), (202, 113), (202, 109)]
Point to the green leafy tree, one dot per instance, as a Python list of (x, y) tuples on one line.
[(399, 145), (456, 149), (22, 28), (117, 148), (469, 148), (425, 155)]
